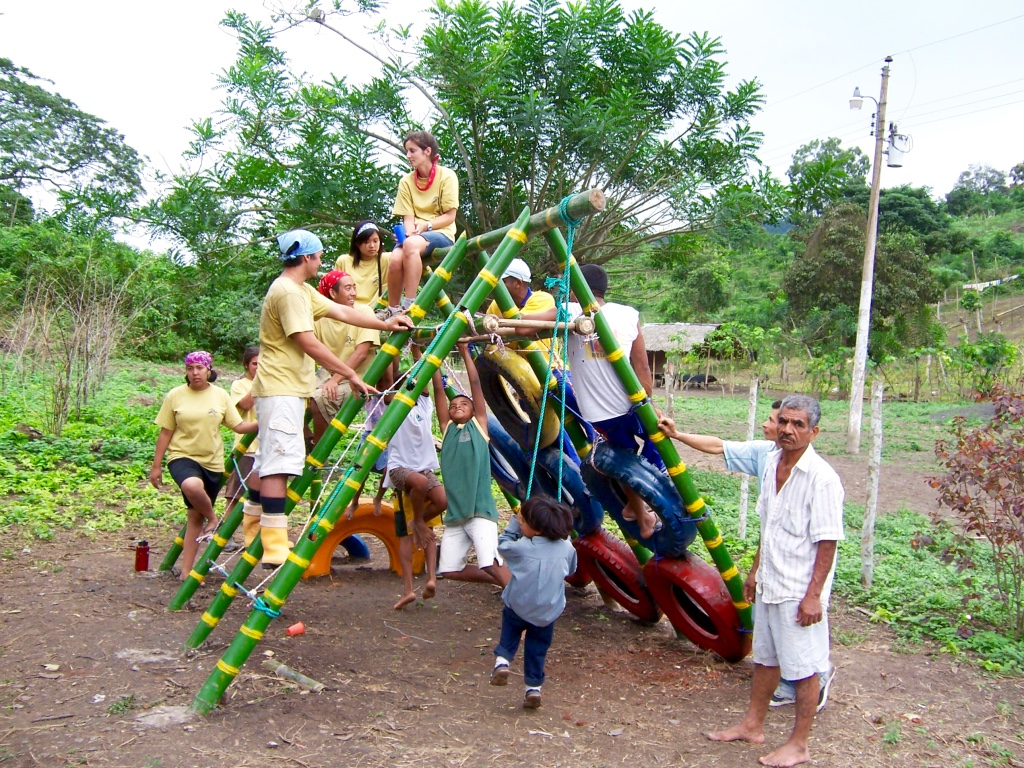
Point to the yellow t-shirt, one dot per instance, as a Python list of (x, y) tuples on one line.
[(195, 418), (365, 273), (538, 301), (239, 389), (427, 205), (342, 339), (284, 368)]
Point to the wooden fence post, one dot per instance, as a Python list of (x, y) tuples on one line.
[(867, 542), (741, 526)]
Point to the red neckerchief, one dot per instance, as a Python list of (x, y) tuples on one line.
[(430, 178)]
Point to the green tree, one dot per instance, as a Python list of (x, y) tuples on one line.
[(823, 285), (530, 103), (980, 190), (47, 141), (823, 173)]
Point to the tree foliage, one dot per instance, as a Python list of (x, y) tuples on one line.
[(823, 285), (47, 141), (822, 174)]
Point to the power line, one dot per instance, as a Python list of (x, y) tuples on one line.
[(963, 114), (966, 104)]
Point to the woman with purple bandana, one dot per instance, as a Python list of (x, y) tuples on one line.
[(190, 420)]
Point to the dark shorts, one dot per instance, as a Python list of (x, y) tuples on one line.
[(624, 431), (435, 240), (182, 469)]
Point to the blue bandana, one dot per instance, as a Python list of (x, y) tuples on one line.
[(298, 242)]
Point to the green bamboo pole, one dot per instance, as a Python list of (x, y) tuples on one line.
[(174, 552), (273, 599), (692, 501), (338, 426)]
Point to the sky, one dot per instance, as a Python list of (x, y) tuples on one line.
[(956, 86)]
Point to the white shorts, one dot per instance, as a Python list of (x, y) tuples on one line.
[(780, 641), (282, 449), (477, 532)]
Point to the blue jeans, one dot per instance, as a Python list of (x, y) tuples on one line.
[(573, 407), (623, 431), (535, 650), (435, 240)]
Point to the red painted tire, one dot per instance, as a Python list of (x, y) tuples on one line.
[(616, 572), (694, 598), (582, 576)]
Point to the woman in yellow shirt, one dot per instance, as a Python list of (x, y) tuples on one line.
[(427, 201), (189, 420), (365, 263)]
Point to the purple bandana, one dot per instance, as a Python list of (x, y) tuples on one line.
[(200, 357)]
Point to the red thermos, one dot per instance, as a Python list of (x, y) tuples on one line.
[(142, 556)]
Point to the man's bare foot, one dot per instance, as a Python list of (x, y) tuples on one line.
[(738, 733), (377, 511), (350, 512), (429, 590), (785, 756), (407, 598)]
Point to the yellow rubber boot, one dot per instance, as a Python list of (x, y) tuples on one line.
[(251, 514), (274, 534)]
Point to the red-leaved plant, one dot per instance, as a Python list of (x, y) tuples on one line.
[(983, 485)]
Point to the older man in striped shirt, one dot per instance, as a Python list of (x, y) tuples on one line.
[(801, 512)]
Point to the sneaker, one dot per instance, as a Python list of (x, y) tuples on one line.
[(499, 675), (826, 681), (532, 700), (785, 694), (387, 313)]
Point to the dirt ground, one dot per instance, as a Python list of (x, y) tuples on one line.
[(92, 673)]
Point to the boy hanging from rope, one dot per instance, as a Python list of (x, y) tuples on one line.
[(472, 516)]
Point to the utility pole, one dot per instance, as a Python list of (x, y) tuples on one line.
[(867, 278)]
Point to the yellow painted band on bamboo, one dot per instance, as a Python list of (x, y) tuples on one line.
[(417, 312), (592, 308), (193, 574), (389, 349), (352, 483), (585, 450), (374, 440), (293, 496), (715, 543), (339, 425), (444, 301), (443, 273), (572, 259), (302, 562), (179, 541), (250, 558), (513, 311), (517, 234), (255, 634), (698, 504), (618, 354), (657, 437), (730, 573), (638, 397), (404, 398), (210, 621), (227, 669), (742, 605), (488, 278), (678, 469), (220, 541), (314, 463), (272, 598), (238, 448), (549, 216), (434, 360), (228, 590)]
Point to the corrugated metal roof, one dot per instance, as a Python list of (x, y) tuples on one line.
[(663, 337)]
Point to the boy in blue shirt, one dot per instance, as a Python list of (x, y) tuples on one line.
[(539, 556)]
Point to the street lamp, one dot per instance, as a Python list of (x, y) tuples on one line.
[(860, 353)]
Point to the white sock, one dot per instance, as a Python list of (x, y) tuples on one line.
[(407, 302), (500, 661)]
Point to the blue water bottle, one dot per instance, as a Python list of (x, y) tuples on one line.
[(399, 230)]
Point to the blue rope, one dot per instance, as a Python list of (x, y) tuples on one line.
[(561, 288), (261, 605)]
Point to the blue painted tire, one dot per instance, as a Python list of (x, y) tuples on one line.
[(616, 573), (509, 465), (356, 548), (514, 396), (588, 514), (611, 469)]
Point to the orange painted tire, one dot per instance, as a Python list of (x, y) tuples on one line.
[(364, 521), (694, 598), (616, 573)]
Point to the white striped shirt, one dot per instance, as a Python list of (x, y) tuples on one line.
[(808, 509)]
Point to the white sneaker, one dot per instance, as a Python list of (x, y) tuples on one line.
[(785, 694), (826, 681)]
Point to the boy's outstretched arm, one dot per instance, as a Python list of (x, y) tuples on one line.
[(476, 391), (440, 401)]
